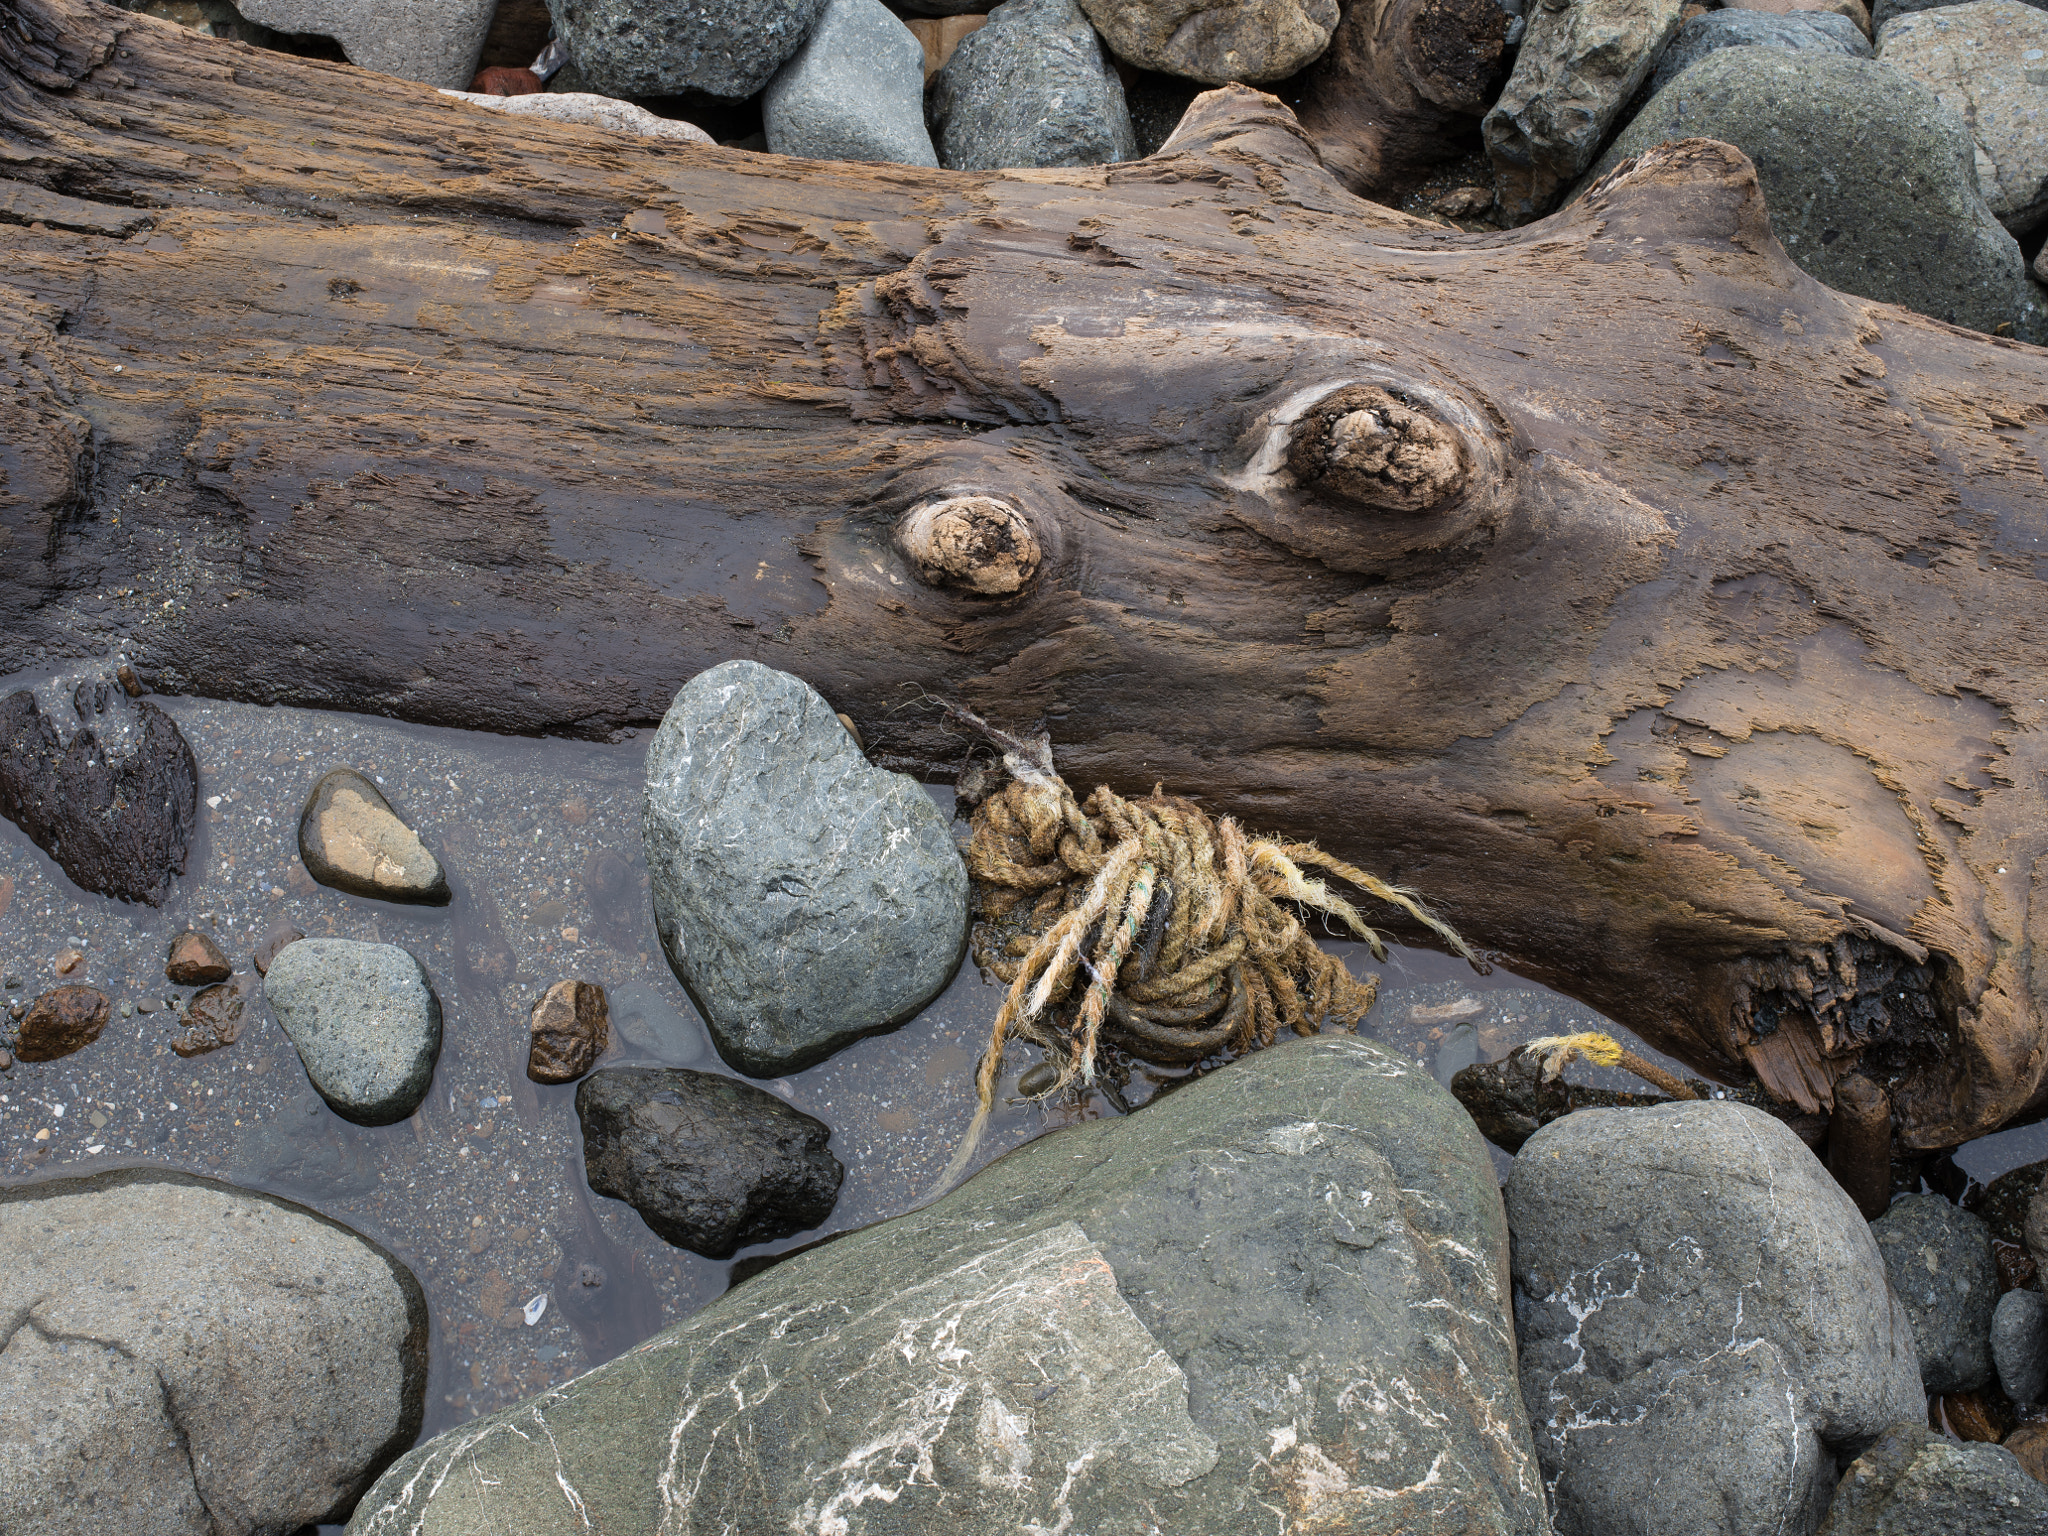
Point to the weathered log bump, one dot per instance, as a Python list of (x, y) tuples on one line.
[(1368, 445), (980, 543)]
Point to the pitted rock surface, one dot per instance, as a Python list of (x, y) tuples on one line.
[(665, 47), (804, 896), (180, 1356), (366, 1023), (1283, 1288), (1942, 1268), (1914, 1482), (1704, 1320)]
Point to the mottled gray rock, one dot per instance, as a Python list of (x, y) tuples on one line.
[(854, 91), (1884, 11), (1941, 1266), (2019, 1345), (1870, 182), (436, 42), (1914, 1482), (180, 1356), (1988, 63), (2035, 1231), (1704, 1322), (351, 838), (590, 110), (710, 1163), (1795, 32), (804, 896), (366, 1023), (644, 1015), (1033, 87), (1579, 65), (1215, 41), (1282, 1288), (665, 47)]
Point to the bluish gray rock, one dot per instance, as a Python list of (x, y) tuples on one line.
[(1942, 1268), (1282, 1288), (1795, 32), (804, 896), (1870, 181), (181, 1356), (1033, 87), (2019, 1345), (366, 1023), (1704, 1322), (436, 42), (1914, 1482), (854, 91), (666, 47)]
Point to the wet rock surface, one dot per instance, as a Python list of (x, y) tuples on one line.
[(664, 47), (351, 839), (1941, 1267), (1033, 87), (805, 897), (1284, 1288), (62, 1020), (114, 806), (711, 1164), (365, 1021), (1914, 1482), (213, 1018), (570, 1028), (183, 1356), (195, 959), (854, 91), (1704, 1320)]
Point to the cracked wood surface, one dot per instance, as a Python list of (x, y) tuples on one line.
[(1714, 697)]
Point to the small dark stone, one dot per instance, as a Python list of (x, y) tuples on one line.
[(115, 806), (571, 1027), (279, 935), (710, 1163), (6, 1061), (212, 1019), (63, 1020), (195, 960)]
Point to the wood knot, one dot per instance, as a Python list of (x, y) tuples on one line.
[(978, 543), (1369, 446)]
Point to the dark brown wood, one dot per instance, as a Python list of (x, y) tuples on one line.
[(1402, 87), (1712, 688), (1860, 1144)]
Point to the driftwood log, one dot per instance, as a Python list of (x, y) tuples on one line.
[(1674, 623)]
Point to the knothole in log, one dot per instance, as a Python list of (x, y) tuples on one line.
[(977, 543), (1370, 446)]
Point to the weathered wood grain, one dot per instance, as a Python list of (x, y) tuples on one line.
[(1716, 696)]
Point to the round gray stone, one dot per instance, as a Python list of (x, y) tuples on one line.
[(666, 47), (854, 91), (365, 1021), (2019, 1345), (1870, 181), (1033, 87), (804, 896), (1795, 32), (1941, 1266)]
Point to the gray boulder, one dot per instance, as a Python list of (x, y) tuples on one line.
[(804, 896), (436, 42), (1281, 1288), (1033, 87), (1885, 11), (854, 91), (1794, 32), (1987, 62), (2019, 1345), (1941, 1267), (710, 1163), (1579, 65), (666, 47), (1914, 1482), (1704, 1322), (1216, 41), (366, 1023), (184, 1357), (1870, 181)]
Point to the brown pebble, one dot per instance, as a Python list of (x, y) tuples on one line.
[(212, 1019), (575, 812), (130, 683), (571, 1026), (6, 1061), (275, 938), (2030, 1444), (63, 1020), (65, 961), (195, 959)]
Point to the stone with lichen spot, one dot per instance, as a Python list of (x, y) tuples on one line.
[(570, 1026), (195, 959), (62, 1020), (351, 839)]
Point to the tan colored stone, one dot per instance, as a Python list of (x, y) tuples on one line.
[(571, 1026), (352, 840), (1215, 41)]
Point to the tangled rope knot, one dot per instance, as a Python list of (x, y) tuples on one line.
[(1152, 926)]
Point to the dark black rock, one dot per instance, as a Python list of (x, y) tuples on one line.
[(712, 1164), (115, 806)]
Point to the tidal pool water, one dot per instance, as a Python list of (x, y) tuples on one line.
[(530, 1276)]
